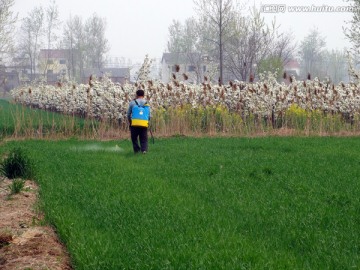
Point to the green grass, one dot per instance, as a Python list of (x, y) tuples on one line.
[(16, 186), (16, 165), (211, 203), (20, 121)]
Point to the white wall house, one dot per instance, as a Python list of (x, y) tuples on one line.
[(193, 65), (292, 68)]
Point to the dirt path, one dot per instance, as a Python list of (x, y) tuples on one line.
[(25, 243)]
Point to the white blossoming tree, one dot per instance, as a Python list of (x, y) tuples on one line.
[(144, 71)]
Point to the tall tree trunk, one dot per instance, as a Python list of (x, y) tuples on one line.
[(221, 44)]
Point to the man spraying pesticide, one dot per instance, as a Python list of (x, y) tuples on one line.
[(138, 115)]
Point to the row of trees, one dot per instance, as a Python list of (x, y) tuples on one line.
[(234, 43), (84, 40), (238, 46), (319, 61), (242, 46), (86, 43)]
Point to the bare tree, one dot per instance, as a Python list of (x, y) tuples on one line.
[(312, 53), (353, 31), (52, 25), (176, 38), (220, 15), (7, 26), (249, 41), (251, 44), (284, 47), (190, 42), (86, 43), (195, 48), (31, 33), (96, 42), (335, 65), (73, 41)]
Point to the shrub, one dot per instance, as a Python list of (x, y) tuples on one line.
[(16, 165)]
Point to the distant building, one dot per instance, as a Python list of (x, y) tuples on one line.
[(194, 65), (53, 63), (9, 79), (16, 72), (292, 68), (117, 75), (22, 66)]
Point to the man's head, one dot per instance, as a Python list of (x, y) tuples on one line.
[(140, 93)]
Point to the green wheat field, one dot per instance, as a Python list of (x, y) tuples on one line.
[(203, 203), (191, 203)]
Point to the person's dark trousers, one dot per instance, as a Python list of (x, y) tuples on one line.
[(141, 134)]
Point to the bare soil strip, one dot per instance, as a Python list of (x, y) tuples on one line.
[(25, 243)]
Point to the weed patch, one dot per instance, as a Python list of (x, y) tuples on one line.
[(17, 165), (16, 186)]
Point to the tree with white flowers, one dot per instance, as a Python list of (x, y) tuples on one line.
[(144, 71)]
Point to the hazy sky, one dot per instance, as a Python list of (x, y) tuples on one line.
[(329, 23), (139, 27)]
